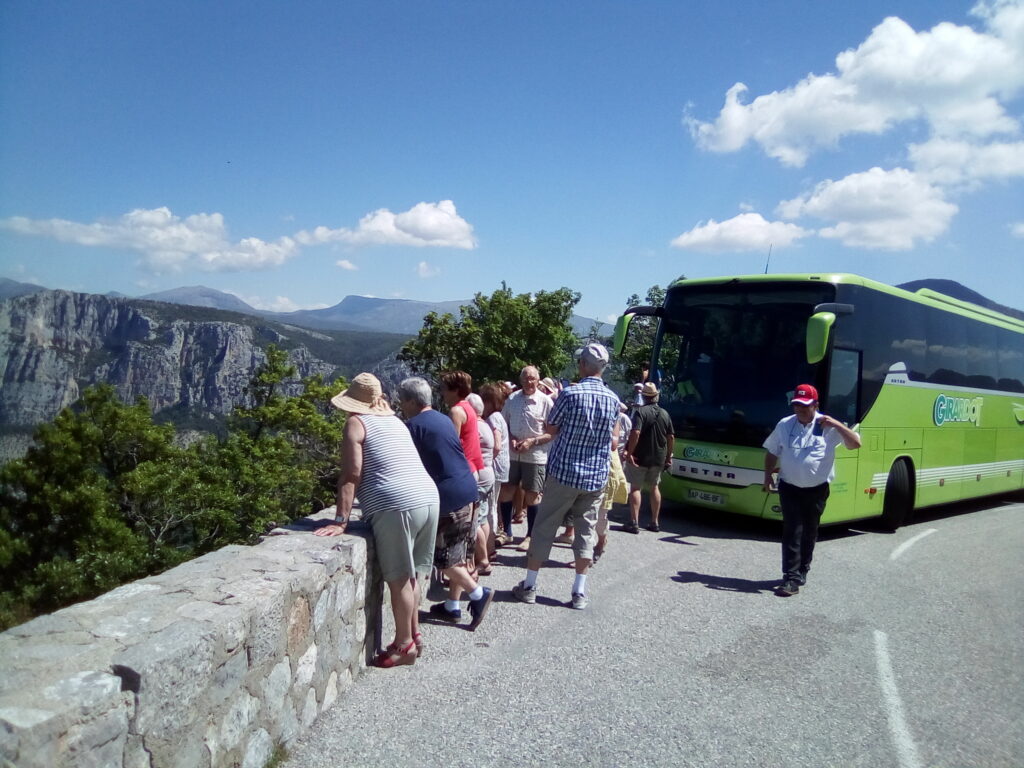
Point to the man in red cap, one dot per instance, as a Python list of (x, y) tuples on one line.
[(803, 446)]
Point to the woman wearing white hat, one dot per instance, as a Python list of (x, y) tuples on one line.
[(380, 465)]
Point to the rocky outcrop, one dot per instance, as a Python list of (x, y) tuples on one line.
[(54, 344)]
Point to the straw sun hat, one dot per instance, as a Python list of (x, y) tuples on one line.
[(364, 395)]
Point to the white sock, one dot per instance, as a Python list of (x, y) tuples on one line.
[(452, 605), (477, 593), (580, 584), (530, 582)]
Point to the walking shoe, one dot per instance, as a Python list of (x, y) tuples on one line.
[(631, 527), (579, 601), (653, 527), (524, 545), (802, 578), (787, 588), (478, 608), (565, 538), (439, 611), (523, 593)]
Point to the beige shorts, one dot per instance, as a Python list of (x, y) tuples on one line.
[(643, 477), (404, 540)]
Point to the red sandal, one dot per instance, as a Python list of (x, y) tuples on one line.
[(393, 656)]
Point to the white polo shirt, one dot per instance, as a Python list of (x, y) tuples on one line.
[(807, 454), (525, 416)]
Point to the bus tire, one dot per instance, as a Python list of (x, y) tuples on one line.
[(899, 496)]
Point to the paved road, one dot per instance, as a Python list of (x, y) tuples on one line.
[(904, 650)]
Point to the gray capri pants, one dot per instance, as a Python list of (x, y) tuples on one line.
[(404, 540)]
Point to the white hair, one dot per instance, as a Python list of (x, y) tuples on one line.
[(477, 402)]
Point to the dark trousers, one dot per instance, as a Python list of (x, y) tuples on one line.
[(801, 513)]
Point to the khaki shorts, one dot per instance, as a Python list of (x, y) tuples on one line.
[(404, 541), (530, 476), (644, 477)]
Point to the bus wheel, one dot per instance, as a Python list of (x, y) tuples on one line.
[(898, 496)]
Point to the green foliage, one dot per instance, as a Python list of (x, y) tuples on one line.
[(497, 335), (104, 496)]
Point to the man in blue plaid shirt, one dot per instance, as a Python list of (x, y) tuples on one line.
[(580, 428)]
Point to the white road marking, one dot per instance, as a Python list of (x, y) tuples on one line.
[(909, 543), (903, 741)]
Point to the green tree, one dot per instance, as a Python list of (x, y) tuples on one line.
[(496, 335), (64, 533)]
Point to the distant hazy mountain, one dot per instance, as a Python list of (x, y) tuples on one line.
[(11, 288), (365, 313), (957, 291), (201, 296)]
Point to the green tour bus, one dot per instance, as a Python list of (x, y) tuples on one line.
[(934, 386)]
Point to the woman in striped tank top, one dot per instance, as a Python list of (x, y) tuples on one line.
[(381, 467)]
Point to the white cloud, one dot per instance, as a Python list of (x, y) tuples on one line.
[(276, 304), (166, 241), (952, 77), (1017, 229), (346, 264), (745, 232), (427, 271), (423, 225), (876, 209), (950, 162)]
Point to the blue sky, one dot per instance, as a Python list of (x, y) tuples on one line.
[(294, 153)]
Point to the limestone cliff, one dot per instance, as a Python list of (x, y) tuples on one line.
[(54, 344)]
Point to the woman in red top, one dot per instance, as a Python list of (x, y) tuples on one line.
[(455, 387)]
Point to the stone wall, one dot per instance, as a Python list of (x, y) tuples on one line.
[(213, 663)]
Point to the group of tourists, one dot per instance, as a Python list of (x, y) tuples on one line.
[(440, 492)]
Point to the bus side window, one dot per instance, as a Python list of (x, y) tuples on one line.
[(842, 387)]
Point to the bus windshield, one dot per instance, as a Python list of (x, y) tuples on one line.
[(728, 355)]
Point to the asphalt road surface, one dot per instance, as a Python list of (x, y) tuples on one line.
[(903, 650)]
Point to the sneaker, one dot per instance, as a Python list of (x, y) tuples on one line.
[(787, 588), (631, 527), (523, 593), (439, 611), (579, 601), (524, 545), (478, 608), (653, 527)]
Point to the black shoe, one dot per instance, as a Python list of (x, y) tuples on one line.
[(439, 611), (653, 528), (787, 588), (631, 527), (478, 608), (801, 580)]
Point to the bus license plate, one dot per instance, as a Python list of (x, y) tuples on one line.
[(706, 497)]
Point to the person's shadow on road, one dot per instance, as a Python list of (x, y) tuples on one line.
[(726, 583)]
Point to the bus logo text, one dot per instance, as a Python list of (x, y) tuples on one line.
[(708, 454), (957, 409)]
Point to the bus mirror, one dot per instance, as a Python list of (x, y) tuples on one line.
[(621, 329), (818, 328), (622, 325)]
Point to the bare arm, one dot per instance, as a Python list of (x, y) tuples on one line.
[(670, 450), (634, 438), (770, 461), (348, 480), (850, 438)]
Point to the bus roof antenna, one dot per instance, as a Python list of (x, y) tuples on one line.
[(769, 259)]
